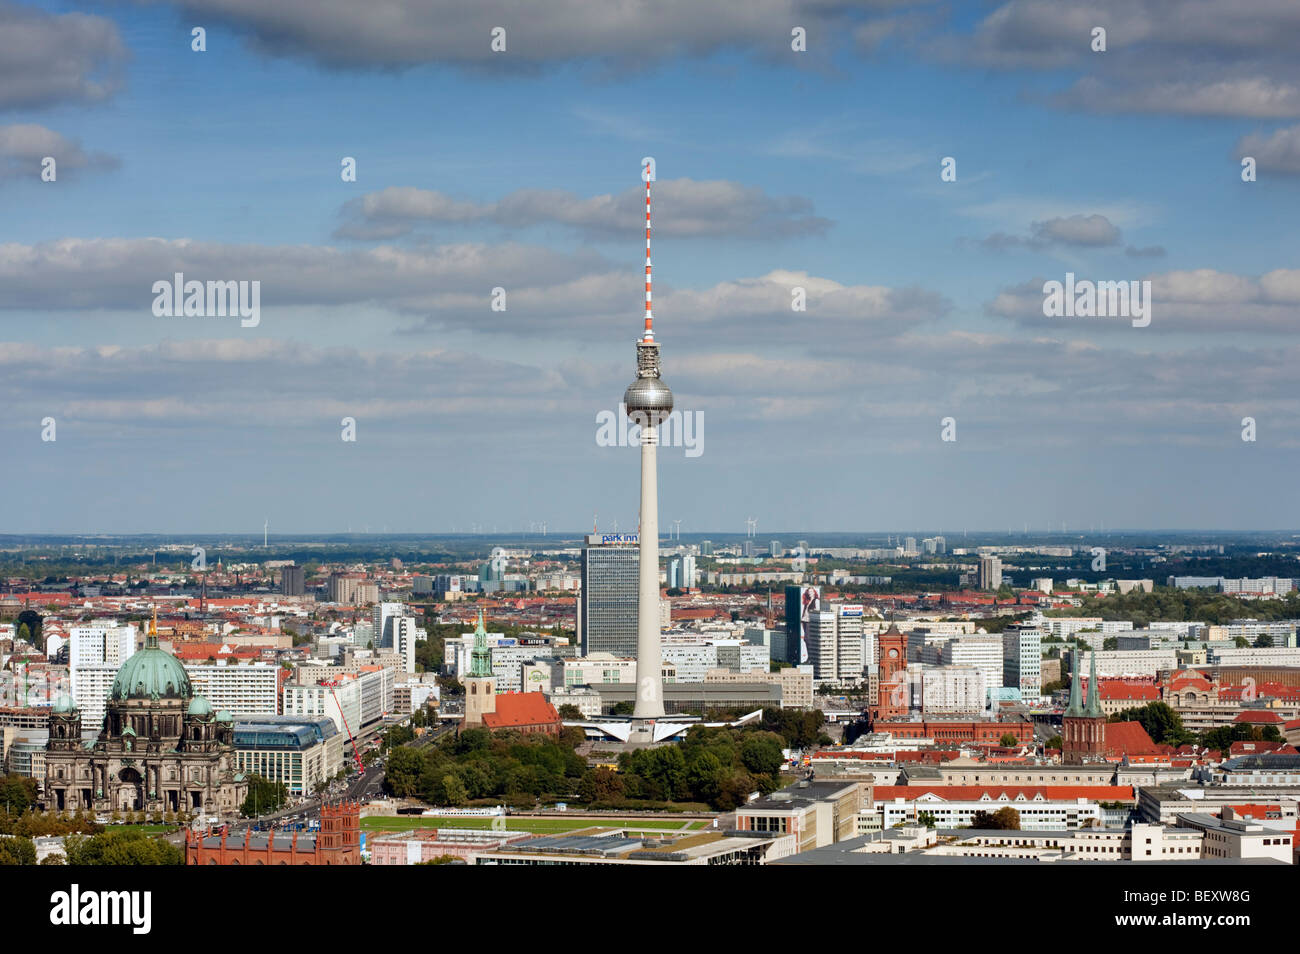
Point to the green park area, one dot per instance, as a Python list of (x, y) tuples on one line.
[(537, 826)]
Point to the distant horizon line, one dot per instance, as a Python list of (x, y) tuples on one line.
[(764, 537)]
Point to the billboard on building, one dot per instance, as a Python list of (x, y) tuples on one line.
[(800, 603)]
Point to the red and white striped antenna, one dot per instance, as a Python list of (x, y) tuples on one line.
[(648, 173)]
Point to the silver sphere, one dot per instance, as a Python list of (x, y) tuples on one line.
[(648, 400)]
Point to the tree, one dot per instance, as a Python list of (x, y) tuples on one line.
[(1055, 742), (121, 847), (1110, 643), (1264, 641), (623, 708), (761, 754), (18, 794), (405, 765), (570, 713), (601, 785), (456, 794), (264, 796), (1008, 739), (17, 851), (32, 620), (926, 819), (1004, 819), (1160, 721)]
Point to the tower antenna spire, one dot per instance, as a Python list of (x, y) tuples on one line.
[(649, 315)]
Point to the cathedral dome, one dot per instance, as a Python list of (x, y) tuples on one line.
[(151, 674), (64, 704), (199, 706)]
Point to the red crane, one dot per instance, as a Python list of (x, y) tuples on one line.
[(355, 754)]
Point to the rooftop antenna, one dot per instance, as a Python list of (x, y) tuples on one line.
[(649, 315)]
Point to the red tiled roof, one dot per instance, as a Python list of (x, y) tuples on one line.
[(1125, 689), (521, 709), (910, 756), (1257, 810), (1189, 679), (1260, 748), (203, 650), (1129, 738), (1258, 717), (1262, 690)]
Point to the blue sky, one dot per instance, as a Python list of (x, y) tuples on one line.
[(775, 168)]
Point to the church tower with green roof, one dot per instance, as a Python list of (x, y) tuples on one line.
[(1083, 730), (480, 683)]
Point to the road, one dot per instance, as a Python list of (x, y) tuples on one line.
[(362, 787)]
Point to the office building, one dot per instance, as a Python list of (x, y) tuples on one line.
[(609, 612), (244, 689), (1022, 658), (300, 753), (835, 644), (405, 636), (381, 617), (102, 643), (990, 573), (952, 690), (800, 603), (343, 587), (681, 572), (292, 580), (981, 651)]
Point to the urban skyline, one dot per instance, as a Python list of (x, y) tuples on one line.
[(376, 295)]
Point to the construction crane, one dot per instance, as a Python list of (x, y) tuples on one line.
[(355, 754)]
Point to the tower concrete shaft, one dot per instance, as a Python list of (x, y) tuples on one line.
[(649, 651)]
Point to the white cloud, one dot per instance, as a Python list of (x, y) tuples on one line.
[(47, 59)]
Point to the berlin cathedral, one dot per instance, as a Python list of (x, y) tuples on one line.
[(161, 747)]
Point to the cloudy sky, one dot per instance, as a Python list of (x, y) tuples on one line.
[(776, 169)]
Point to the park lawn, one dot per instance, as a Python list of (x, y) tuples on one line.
[(147, 829), (537, 826)]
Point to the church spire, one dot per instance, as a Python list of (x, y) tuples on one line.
[(1075, 708), (481, 658), (151, 641), (1093, 710)]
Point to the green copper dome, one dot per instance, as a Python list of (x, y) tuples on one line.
[(199, 706), (224, 716), (64, 704), (151, 674)]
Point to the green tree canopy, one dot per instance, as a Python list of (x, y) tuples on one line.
[(121, 847), (264, 797)]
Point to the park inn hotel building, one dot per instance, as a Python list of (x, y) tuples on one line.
[(608, 604)]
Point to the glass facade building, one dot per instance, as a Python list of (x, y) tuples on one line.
[(610, 566)]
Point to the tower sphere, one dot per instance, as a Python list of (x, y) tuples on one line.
[(648, 400)]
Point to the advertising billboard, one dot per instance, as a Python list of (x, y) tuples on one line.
[(800, 603)]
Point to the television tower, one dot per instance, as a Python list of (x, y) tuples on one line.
[(648, 401)]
